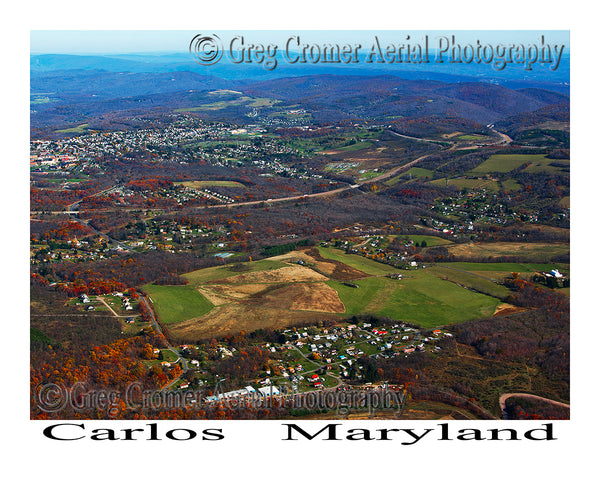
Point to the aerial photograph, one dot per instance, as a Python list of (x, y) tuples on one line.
[(299, 225)]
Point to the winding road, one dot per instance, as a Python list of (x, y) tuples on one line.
[(529, 396)]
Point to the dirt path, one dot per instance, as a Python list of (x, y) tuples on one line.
[(108, 306)]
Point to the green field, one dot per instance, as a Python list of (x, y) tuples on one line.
[(206, 275), (510, 185), (469, 183), (420, 298), (365, 265), (506, 162), (472, 137), (79, 129), (429, 239), (497, 271), (505, 267), (356, 146), (414, 172), (221, 104), (471, 280), (437, 295), (177, 303), (38, 100)]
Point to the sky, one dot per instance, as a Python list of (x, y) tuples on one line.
[(152, 41)]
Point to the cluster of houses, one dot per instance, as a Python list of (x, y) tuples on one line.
[(552, 279), (83, 298), (125, 301)]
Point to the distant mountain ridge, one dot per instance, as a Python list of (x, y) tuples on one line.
[(512, 76), (64, 97)]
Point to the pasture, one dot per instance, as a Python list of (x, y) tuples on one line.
[(328, 284), (502, 163)]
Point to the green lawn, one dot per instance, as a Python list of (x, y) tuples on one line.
[(175, 304)]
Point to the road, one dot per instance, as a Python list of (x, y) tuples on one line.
[(506, 396), (106, 190), (504, 140)]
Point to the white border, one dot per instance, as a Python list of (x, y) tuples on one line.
[(253, 448)]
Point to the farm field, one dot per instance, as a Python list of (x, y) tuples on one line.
[(474, 280), (469, 183), (507, 162), (430, 240), (79, 129), (414, 172), (312, 284), (365, 265), (420, 298), (532, 252), (177, 303), (497, 271), (221, 104), (206, 275)]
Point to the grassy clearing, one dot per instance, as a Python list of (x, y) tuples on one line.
[(356, 146), (472, 137), (365, 265), (175, 304), (79, 129), (39, 100), (414, 172), (222, 104), (565, 202), (431, 240)]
